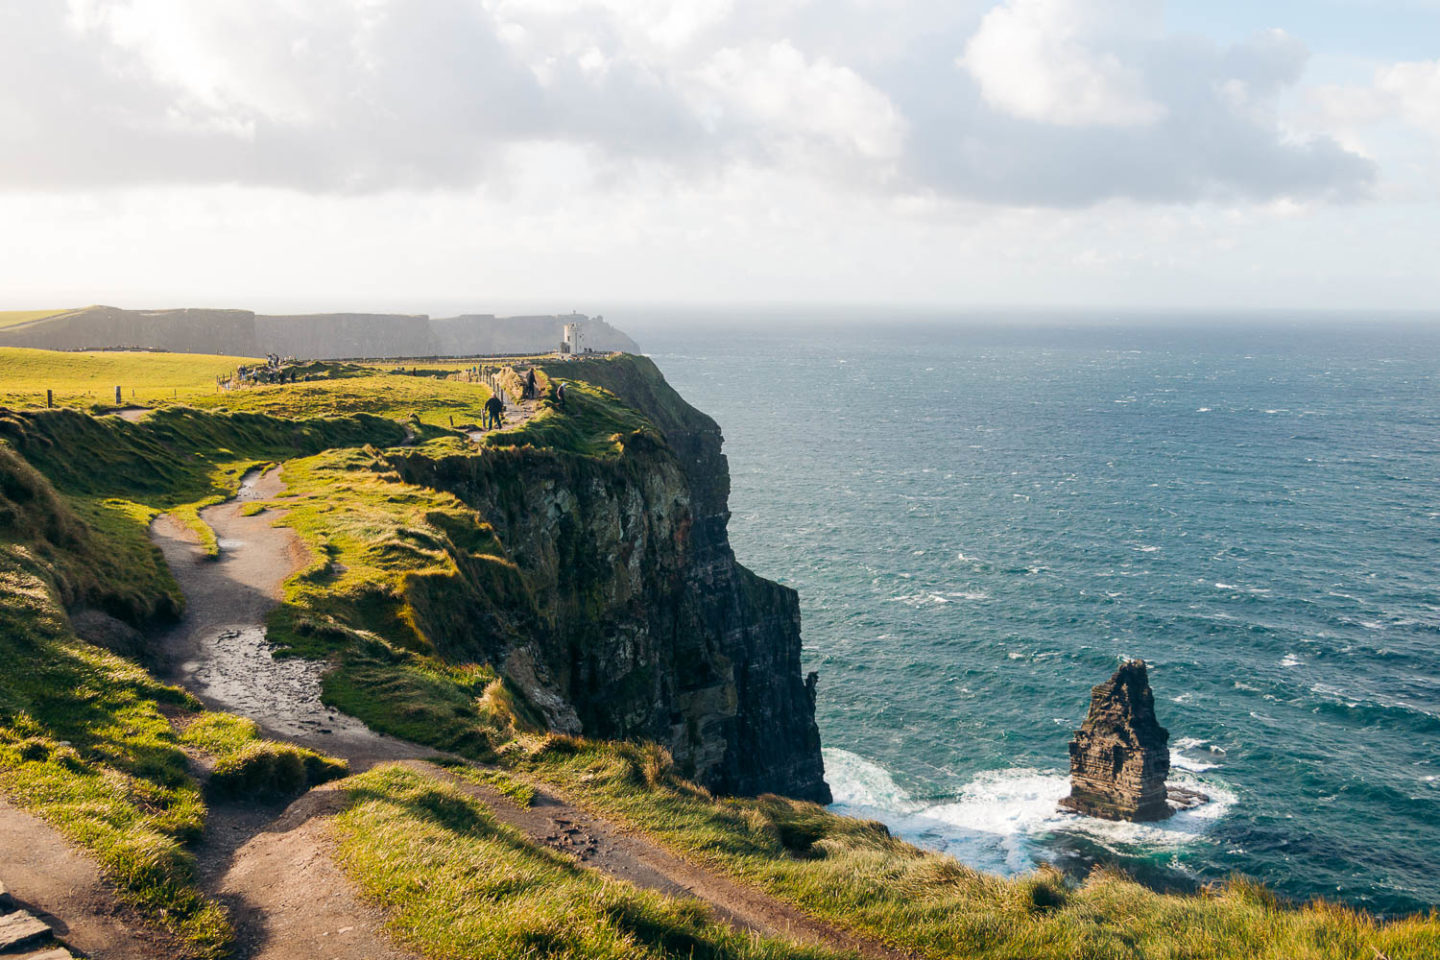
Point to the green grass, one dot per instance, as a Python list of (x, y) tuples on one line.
[(521, 791), (459, 884), (247, 766), (408, 587), (853, 874), (593, 423), (433, 401), (13, 318), (89, 379), (84, 741)]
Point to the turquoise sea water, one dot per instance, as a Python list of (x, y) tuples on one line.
[(982, 523)]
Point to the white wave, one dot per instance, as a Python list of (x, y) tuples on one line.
[(1179, 761), (1146, 548), (1001, 820), (926, 597), (1203, 410), (1290, 660)]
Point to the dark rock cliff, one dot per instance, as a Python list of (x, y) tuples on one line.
[(640, 622)]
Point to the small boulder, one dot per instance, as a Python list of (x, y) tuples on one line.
[(1120, 756)]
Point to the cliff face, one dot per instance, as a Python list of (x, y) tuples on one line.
[(229, 332), (641, 624), (324, 336)]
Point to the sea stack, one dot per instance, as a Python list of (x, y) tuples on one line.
[(1120, 757)]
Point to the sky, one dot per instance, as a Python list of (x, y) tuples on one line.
[(484, 155)]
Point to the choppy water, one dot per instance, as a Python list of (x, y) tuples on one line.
[(982, 524)]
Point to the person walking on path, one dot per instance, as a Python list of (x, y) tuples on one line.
[(494, 412), (530, 386)]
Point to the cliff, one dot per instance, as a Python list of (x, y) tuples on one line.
[(311, 336), (325, 336), (229, 332), (639, 623)]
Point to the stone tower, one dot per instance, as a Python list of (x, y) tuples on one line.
[(1120, 757)]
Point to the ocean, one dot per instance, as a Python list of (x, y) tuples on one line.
[(984, 521)]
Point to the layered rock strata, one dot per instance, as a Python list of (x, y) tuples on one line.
[(1120, 756), (630, 617)]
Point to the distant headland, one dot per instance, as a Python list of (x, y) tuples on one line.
[(321, 336)]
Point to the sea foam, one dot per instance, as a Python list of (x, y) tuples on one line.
[(1003, 820)]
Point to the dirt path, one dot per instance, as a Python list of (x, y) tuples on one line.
[(269, 865), (516, 414), (612, 849), (289, 901), (219, 651), (131, 414), (63, 887)]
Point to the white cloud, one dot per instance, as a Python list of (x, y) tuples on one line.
[(1414, 90), (775, 86), (1063, 61), (1060, 102)]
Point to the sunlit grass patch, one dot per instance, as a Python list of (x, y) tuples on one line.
[(88, 379), (459, 884)]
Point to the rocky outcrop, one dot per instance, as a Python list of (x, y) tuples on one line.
[(1120, 756), (637, 623)]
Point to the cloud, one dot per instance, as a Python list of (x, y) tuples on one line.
[(775, 88), (1053, 61), (1035, 102), (1414, 90), (1100, 103)]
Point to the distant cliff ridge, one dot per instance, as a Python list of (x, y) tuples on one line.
[(312, 336)]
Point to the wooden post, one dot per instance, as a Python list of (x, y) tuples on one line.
[(49, 398), (117, 395)]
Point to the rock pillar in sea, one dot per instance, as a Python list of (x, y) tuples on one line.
[(1120, 756)]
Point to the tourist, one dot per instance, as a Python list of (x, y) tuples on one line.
[(494, 412)]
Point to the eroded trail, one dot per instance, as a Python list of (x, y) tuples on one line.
[(218, 651), (270, 866)]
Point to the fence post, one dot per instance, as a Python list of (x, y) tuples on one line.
[(117, 395)]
